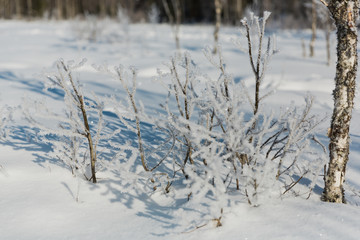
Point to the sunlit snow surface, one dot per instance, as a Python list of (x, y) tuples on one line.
[(37, 195)]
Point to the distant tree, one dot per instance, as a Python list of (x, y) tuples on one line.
[(327, 24), (266, 5), (4, 8), (59, 9), (71, 10), (29, 7), (239, 8), (313, 27), (113, 8), (218, 10), (174, 15), (102, 7), (344, 14), (18, 8)]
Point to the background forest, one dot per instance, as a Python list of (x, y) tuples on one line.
[(288, 14)]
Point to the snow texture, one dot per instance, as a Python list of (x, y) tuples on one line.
[(41, 199)]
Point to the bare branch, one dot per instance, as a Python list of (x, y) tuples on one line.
[(324, 2)]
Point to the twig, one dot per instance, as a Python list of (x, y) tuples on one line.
[(324, 2), (196, 228), (293, 184), (131, 98), (217, 220), (79, 98)]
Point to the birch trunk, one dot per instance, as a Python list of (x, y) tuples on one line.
[(327, 38), (313, 28), (174, 19), (218, 8), (178, 22), (345, 14)]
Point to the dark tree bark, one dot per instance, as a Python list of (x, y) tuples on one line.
[(344, 13)]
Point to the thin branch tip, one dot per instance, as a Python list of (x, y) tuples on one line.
[(324, 2)]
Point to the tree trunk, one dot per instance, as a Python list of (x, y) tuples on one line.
[(59, 9), (266, 5), (174, 19), (345, 14), (18, 8), (328, 45), (2, 10), (70, 9), (226, 10), (102, 6), (29, 8), (313, 28), (113, 8), (239, 9), (303, 46), (218, 8), (5, 9), (178, 22)]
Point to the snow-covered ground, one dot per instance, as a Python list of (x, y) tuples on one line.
[(37, 195)]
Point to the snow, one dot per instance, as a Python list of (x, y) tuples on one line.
[(40, 199)]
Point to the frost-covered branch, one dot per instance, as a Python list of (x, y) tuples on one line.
[(72, 128), (259, 61), (131, 97)]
